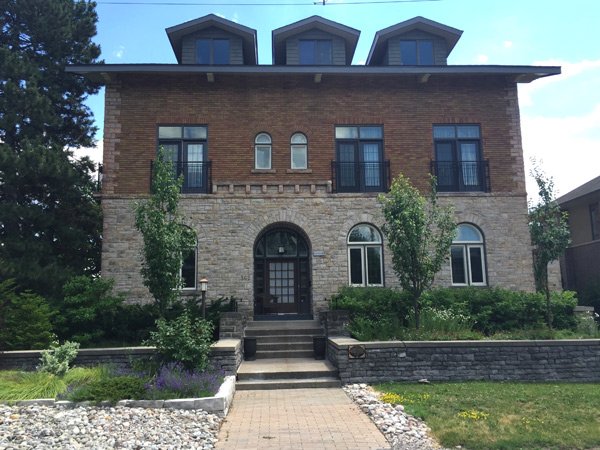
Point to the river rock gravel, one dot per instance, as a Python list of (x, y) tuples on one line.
[(403, 431), (89, 427)]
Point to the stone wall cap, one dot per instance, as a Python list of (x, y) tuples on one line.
[(345, 342), (228, 344)]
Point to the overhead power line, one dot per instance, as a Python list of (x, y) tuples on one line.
[(313, 3)]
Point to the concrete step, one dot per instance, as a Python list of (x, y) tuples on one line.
[(291, 339), (271, 354), (258, 332), (282, 323), (271, 346), (328, 382)]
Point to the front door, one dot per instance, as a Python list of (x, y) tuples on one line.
[(281, 274), (282, 280)]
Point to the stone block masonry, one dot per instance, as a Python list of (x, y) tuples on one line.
[(228, 225), (541, 361)]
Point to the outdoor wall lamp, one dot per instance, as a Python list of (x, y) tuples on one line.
[(203, 289)]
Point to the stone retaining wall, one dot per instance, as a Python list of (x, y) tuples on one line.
[(560, 360), (226, 352)]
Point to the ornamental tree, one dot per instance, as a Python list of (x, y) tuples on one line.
[(550, 235), (419, 234), (166, 238)]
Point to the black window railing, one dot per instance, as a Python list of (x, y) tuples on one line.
[(360, 176), (462, 176), (197, 176)]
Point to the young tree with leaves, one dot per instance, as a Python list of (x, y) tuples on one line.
[(550, 235), (49, 223), (419, 235), (166, 238)]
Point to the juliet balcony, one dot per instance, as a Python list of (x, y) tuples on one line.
[(360, 176), (197, 176), (462, 176)]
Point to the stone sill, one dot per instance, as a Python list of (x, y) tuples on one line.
[(298, 171), (263, 171)]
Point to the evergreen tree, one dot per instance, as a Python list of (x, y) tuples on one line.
[(49, 223)]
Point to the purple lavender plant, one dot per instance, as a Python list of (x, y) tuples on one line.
[(173, 380)]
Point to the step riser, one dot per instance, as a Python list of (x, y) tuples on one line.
[(267, 347), (285, 354), (286, 375), (289, 385), (282, 324), (301, 340), (258, 332)]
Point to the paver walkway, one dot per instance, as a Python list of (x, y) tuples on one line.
[(298, 419)]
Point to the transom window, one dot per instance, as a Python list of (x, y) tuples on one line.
[(359, 165), (315, 52), (416, 53), (365, 256), (186, 147), (262, 151), (299, 151), (212, 51), (458, 165), (467, 256)]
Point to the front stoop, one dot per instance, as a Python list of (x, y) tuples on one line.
[(286, 373), (284, 338)]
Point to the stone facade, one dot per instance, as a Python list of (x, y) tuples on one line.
[(228, 225), (542, 361)]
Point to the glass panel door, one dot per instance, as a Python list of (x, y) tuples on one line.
[(193, 166), (445, 164), (468, 158), (347, 159), (371, 153), (282, 286)]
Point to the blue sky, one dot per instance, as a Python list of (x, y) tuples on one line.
[(560, 115)]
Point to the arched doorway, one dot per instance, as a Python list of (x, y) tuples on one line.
[(282, 274)]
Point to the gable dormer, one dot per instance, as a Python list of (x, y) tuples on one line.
[(415, 42), (213, 40), (314, 41)]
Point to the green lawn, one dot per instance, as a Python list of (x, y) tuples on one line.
[(482, 415)]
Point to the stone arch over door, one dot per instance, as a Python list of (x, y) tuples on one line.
[(282, 272)]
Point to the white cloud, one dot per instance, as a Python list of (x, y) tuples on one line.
[(95, 153), (568, 70), (567, 149), (119, 53), (482, 59), (507, 44)]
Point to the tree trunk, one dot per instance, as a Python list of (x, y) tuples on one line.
[(416, 306), (548, 309)]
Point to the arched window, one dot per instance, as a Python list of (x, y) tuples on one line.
[(299, 151), (467, 256), (262, 151), (365, 256)]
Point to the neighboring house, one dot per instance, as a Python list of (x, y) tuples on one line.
[(581, 262), (283, 163)]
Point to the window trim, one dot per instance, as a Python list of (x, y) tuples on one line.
[(594, 212), (212, 50), (364, 255), (303, 146), (466, 246), (268, 145)]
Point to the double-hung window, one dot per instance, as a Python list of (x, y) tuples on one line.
[(186, 147), (359, 165), (416, 53), (467, 256), (458, 164), (263, 150), (212, 51), (365, 256), (315, 52), (299, 151)]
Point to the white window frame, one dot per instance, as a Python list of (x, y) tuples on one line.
[(299, 142), (363, 258), (263, 145), (467, 264)]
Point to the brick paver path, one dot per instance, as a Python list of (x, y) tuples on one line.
[(298, 419)]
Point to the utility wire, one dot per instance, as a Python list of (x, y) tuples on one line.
[(314, 3)]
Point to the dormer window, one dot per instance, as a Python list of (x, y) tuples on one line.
[(315, 52), (212, 51), (416, 53)]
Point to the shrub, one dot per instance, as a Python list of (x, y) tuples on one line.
[(183, 339), (111, 389), (56, 360), (372, 303), (25, 319), (443, 320), (88, 310), (174, 381), (384, 329)]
